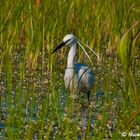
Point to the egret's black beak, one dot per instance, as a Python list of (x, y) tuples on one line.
[(60, 46)]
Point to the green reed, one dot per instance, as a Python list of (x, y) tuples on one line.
[(34, 102), (127, 52)]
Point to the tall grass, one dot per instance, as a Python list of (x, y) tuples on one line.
[(127, 51), (34, 102)]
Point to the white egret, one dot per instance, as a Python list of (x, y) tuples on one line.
[(78, 77)]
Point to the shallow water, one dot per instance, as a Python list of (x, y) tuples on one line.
[(39, 105)]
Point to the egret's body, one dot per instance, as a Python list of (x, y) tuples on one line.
[(78, 77)]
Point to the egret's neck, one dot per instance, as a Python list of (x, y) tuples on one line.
[(71, 55)]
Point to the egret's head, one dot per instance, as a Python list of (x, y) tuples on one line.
[(69, 39)]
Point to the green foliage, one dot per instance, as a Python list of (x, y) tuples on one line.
[(127, 51), (34, 104)]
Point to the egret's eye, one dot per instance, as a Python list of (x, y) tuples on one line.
[(68, 41)]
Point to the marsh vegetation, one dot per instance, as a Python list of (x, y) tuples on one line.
[(34, 103)]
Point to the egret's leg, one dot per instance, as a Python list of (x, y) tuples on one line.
[(88, 93)]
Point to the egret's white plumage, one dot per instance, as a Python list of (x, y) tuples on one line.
[(78, 77)]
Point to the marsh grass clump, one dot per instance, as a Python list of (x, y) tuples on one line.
[(34, 103)]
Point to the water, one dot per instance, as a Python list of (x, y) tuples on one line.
[(38, 105)]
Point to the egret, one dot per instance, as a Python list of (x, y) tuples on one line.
[(78, 77)]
